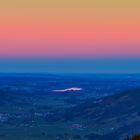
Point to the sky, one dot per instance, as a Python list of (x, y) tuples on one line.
[(64, 36)]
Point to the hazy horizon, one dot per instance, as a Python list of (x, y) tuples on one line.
[(70, 65)]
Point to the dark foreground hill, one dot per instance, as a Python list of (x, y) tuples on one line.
[(113, 117)]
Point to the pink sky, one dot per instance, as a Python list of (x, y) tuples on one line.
[(69, 29)]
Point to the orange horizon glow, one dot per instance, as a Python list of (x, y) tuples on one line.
[(75, 30)]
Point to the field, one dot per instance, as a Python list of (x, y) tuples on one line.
[(32, 109)]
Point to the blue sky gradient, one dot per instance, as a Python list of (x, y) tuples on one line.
[(61, 65)]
